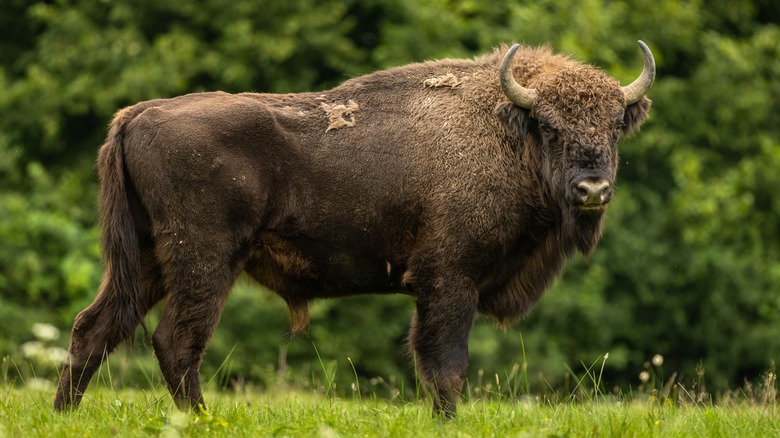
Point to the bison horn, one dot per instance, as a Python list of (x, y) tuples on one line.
[(519, 95), (637, 89)]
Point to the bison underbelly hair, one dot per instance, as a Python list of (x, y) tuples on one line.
[(446, 180)]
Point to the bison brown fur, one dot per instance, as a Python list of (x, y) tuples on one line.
[(446, 180)]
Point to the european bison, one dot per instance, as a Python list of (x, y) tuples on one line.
[(446, 180)]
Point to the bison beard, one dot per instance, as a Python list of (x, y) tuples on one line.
[(446, 180)]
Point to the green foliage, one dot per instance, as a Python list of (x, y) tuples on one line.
[(689, 266)]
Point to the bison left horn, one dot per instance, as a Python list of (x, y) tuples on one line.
[(637, 89), (518, 94)]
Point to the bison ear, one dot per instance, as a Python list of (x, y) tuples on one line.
[(517, 120), (635, 115)]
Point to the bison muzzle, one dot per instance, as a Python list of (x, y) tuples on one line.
[(446, 180)]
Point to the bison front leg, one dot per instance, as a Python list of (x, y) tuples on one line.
[(439, 340)]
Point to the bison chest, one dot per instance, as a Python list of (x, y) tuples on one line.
[(515, 283)]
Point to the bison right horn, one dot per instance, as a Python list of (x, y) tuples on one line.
[(518, 94), (637, 89)]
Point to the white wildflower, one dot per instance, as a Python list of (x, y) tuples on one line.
[(327, 432), (179, 420), (57, 355), (658, 360), (39, 384), (32, 349), (45, 332)]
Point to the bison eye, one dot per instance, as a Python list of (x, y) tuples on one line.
[(546, 129), (619, 128)]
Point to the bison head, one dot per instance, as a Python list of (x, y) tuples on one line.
[(570, 122)]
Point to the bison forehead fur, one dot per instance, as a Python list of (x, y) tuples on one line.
[(424, 179)]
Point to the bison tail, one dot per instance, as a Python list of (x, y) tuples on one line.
[(120, 291)]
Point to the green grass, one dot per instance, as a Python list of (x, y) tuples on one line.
[(491, 407), (104, 412)]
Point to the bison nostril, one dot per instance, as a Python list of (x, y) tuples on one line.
[(592, 192), (581, 191)]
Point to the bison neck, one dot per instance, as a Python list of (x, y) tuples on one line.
[(518, 279)]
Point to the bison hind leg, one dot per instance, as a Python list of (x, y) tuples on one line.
[(199, 277), (187, 323), (94, 336), (100, 328)]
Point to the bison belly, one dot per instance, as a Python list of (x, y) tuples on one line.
[(300, 269)]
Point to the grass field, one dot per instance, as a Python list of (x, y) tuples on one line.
[(105, 412), (503, 408)]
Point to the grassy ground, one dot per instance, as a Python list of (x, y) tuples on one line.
[(104, 412)]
